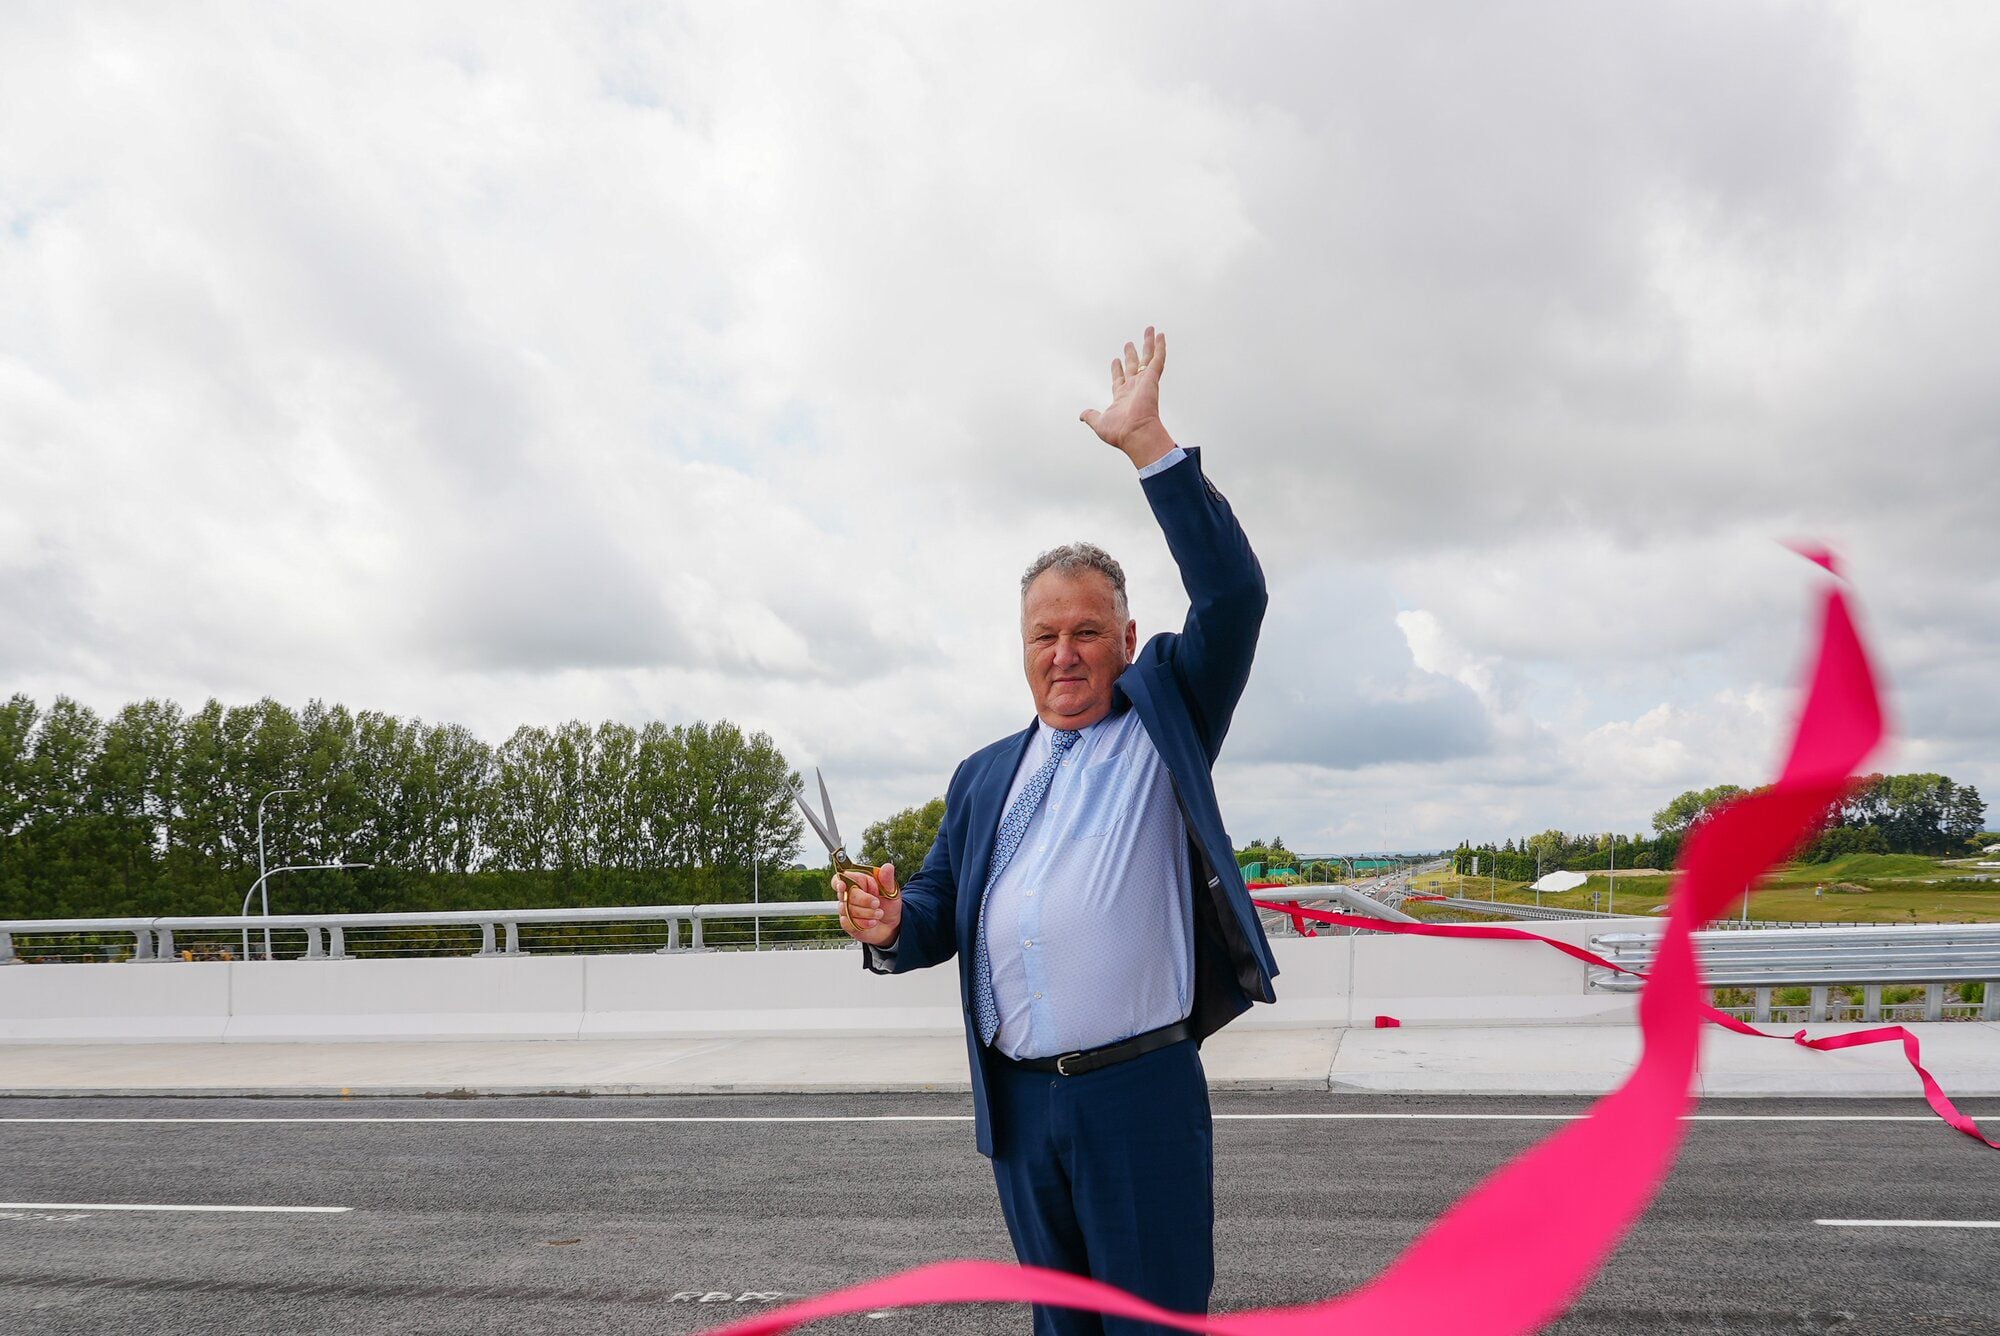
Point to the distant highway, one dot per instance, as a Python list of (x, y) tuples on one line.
[(558, 1224)]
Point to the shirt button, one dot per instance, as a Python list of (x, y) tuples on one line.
[(1031, 895), (1038, 997), (1027, 941)]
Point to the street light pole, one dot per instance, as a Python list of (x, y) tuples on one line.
[(335, 866), (756, 895), (260, 836), (1611, 904)]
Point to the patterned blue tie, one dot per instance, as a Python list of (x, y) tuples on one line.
[(1012, 827)]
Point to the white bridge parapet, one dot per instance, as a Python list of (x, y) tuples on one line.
[(1325, 982)]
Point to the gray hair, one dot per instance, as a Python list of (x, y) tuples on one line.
[(1074, 559)]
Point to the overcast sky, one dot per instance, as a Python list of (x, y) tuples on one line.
[(514, 364)]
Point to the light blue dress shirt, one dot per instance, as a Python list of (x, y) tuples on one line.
[(1090, 929), (1091, 926)]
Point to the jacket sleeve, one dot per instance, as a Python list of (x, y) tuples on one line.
[(929, 934), (1225, 589)]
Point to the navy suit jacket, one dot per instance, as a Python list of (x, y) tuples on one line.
[(1185, 687)]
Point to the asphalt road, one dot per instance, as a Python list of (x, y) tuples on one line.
[(572, 1226)]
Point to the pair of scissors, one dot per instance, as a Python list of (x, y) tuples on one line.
[(829, 834)]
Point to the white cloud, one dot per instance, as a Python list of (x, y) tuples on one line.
[(512, 366)]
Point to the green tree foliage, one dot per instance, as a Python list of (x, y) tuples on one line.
[(155, 811), (1271, 853), (1840, 841), (904, 839), (1688, 810), (1558, 851), (1917, 814)]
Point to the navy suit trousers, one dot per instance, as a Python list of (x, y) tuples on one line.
[(1110, 1175)]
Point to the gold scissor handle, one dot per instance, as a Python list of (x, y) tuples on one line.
[(845, 865)]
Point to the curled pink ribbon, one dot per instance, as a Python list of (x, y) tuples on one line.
[(1514, 1252)]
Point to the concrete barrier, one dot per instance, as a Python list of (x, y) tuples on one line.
[(1468, 982), (475, 997), (113, 1003), (1325, 982), (763, 993)]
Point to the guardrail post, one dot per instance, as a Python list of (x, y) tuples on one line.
[(7, 956), (1989, 1010), (673, 937), (336, 948), (696, 943), (163, 940), (1763, 1008), (1871, 1002), (513, 938), (312, 944), (1820, 993), (1933, 1001), (486, 940), (142, 944)]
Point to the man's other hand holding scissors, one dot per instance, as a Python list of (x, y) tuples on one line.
[(871, 906), (866, 913)]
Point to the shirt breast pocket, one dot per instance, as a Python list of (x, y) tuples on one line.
[(1099, 798)]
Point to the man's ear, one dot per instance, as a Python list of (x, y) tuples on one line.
[(1131, 640)]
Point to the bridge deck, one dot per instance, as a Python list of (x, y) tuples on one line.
[(559, 1225)]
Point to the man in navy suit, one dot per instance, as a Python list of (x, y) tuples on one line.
[(1084, 882)]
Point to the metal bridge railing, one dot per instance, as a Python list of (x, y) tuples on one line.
[(483, 932), (1829, 960)]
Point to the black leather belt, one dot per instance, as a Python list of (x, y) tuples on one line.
[(1110, 1055)]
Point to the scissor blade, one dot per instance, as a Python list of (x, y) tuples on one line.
[(799, 797), (826, 804)]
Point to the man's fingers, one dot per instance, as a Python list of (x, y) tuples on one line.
[(1131, 360), (1117, 375), (1160, 353)]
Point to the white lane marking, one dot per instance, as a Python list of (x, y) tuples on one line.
[(1911, 1224), (966, 1118), (127, 1206)]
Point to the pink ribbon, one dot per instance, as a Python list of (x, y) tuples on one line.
[(1514, 1252)]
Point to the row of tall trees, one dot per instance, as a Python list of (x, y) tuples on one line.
[(154, 810), (1558, 851), (1891, 814)]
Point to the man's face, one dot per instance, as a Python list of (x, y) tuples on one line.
[(1074, 645)]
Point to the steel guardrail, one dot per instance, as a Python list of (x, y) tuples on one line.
[(1823, 958)]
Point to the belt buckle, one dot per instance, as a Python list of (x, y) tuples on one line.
[(1062, 1064)]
